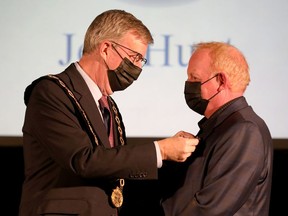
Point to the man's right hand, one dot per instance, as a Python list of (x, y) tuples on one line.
[(179, 147)]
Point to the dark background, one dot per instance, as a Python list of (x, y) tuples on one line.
[(11, 168)]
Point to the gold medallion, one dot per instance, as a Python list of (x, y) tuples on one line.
[(117, 197)]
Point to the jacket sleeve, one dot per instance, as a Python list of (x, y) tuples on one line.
[(53, 122)]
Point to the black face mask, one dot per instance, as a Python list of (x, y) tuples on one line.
[(124, 75), (193, 96)]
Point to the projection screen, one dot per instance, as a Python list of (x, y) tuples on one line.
[(42, 37)]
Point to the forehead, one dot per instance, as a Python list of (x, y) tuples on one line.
[(199, 64)]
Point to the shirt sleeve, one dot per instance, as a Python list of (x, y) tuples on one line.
[(158, 155)]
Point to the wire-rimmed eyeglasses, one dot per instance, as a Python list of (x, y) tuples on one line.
[(135, 57)]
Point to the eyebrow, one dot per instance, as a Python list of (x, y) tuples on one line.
[(194, 76)]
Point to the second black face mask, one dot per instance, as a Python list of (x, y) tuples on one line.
[(124, 75), (193, 97)]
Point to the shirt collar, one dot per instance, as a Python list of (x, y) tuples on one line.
[(94, 89), (205, 124)]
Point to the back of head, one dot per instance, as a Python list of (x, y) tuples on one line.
[(227, 59), (113, 25)]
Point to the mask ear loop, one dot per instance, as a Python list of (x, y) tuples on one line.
[(214, 95), (210, 78), (117, 51), (114, 48), (216, 75)]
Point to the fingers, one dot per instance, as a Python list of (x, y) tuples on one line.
[(184, 134), (189, 147), (177, 148), (183, 157), (192, 141)]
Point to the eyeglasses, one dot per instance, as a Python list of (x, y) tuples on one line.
[(135, 57)]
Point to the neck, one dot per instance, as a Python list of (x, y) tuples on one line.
[(97, 71)]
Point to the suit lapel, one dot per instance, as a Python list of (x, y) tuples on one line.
[(78, 86)]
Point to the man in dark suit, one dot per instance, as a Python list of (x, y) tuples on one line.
[(230, 172), (74, 165)]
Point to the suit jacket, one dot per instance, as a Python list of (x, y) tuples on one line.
[(229, 173), (65, 172)]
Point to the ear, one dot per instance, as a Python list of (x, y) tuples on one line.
[(223, 81), (104, 49)]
